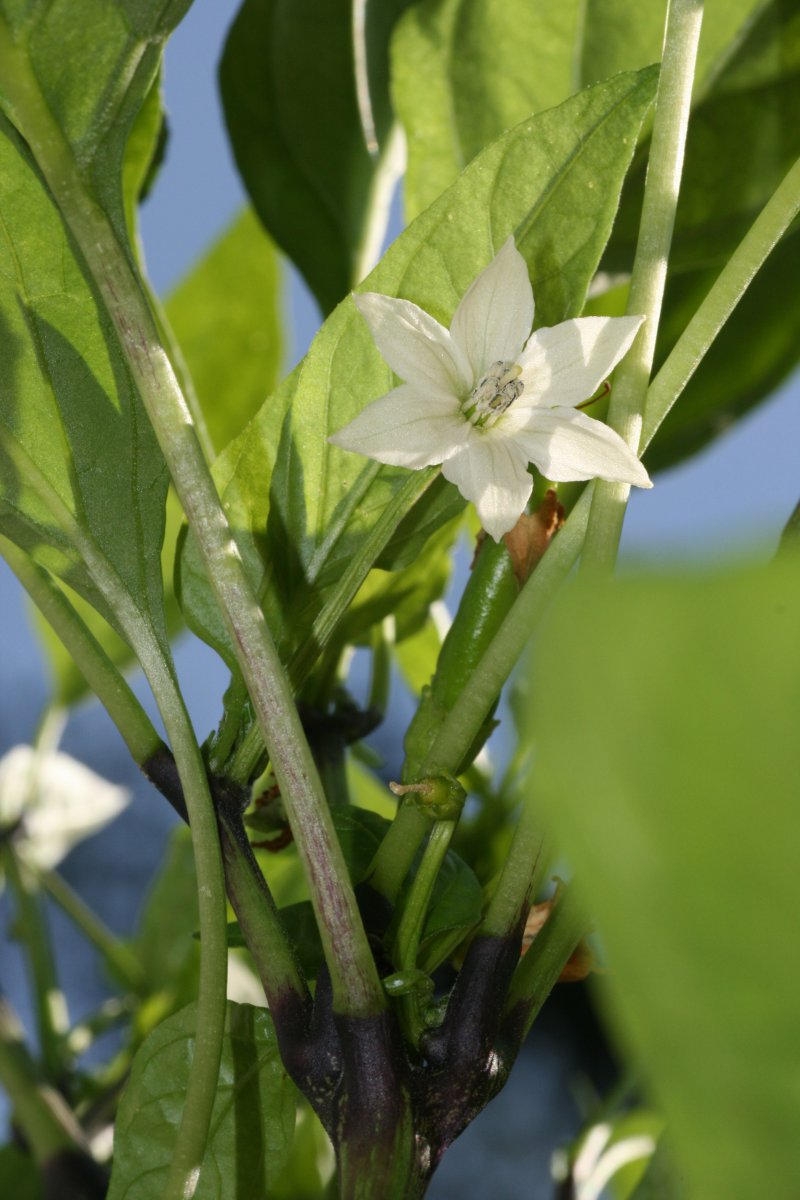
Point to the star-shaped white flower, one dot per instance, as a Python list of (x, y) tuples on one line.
[(52, 802), (487, 397)]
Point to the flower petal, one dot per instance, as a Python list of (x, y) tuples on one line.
[(496, 312), (415, 346), (565, 364), (406, 428), (492, 473), (564, 444)]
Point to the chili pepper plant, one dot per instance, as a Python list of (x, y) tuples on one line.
[(596, 276)]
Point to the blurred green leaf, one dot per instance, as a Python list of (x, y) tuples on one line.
[(225, 316), (311, 1162), (679, 816), (286, 535), (307, 109), (252, 1121), (416, 655)]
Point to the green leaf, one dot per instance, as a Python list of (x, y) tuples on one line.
[(19, 1176), (456, 908), (80, 450), (464, 71), (144, 155), (407, 594), (743, 137), (225, 317), (94, 74), (679, 816), (164, 941), (317, 488), (754, 352), (620, 35), (252, 1121), (81, 439), (289, 88), (360, 832), (68, 682), (742, 140)]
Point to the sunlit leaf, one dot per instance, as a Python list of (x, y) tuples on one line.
[(464, 71)]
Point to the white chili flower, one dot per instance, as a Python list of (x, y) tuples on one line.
[(487, 397), (51, 802)]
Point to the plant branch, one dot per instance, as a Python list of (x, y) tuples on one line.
[(539, 970), (357, 989), (88, 655), (515, 886), (673, 104), (156, 663), (457, 732), (244, 761), (250, 895)]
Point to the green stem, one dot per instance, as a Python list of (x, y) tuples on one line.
[(725, 293), (254, 904), (356, 986), (515, 886), (456, 734), (381, 676), (120, 958), (41, 1114), (52, 1021), (540, 968), (247, 756), (673, 103), (88, 655), (412, 922)]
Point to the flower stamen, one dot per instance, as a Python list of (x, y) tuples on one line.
[(494, 393)]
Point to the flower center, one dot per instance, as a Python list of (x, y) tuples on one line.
[(494, 393)]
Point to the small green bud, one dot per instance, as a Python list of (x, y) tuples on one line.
[(439, 796), (406, 983)]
